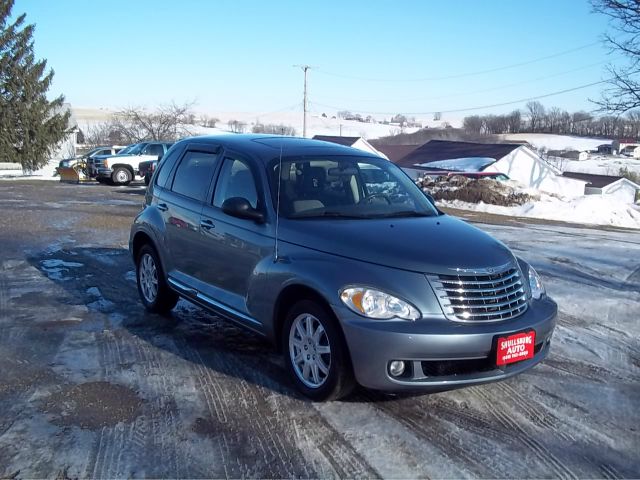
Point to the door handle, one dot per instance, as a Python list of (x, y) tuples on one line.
[(207, 224), (163, 207)]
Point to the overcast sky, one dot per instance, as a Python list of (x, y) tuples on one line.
[(366, 56)]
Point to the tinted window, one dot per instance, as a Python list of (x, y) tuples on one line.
[(105, 152), (193, 175), (347, 187), (154, 149), (166, 165), (235, 180)]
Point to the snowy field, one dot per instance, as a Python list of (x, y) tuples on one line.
[(548, 141), (598, 164)]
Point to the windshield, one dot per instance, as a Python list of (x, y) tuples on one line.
[(92, 151), (346, 187), (133, 149)]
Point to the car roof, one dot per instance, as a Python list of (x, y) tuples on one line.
[(268, 147)]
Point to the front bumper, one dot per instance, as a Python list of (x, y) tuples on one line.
[(103, 173), (440, 354)]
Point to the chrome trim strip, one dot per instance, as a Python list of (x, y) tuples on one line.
[(224, 308), (518, 290), (211, 302), (479, 290), (479, 282)]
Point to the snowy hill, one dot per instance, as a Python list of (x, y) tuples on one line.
[(549, 141)]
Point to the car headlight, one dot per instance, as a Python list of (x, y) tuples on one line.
[(376, 304), (537, 289)]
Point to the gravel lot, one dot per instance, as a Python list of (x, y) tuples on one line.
[(92, 386)]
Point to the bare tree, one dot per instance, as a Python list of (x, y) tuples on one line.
[(514, 121), (535, 112), (100, 134), (169, 122), (623, 91), (236, 126), (473, 124), (274, 129)]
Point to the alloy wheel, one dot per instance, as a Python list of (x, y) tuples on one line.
[(148, 274), (309, 350)]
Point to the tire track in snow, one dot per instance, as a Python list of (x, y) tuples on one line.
[(535, 412), (422, 425), (557, 467), (226, 390)]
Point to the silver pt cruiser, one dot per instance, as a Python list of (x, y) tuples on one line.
[(337, 257)]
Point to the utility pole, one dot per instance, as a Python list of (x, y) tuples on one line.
[(304, 100)]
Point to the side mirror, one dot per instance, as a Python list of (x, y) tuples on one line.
[(241, 208)]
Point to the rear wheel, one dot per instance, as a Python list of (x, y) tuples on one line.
[(154, 291), (121, 176), (315, 352)]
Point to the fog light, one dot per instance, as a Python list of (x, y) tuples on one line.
[(396, 368)]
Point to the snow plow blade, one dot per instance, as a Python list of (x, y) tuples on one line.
[(71, 174)]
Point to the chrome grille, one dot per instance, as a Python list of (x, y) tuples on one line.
[(482, 295)]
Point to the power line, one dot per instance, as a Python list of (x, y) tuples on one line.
[(460, 75), (466, 93), (483, 107)]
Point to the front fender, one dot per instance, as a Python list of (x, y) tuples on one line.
[(327, 274)]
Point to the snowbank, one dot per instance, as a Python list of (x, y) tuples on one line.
[(589, 210)]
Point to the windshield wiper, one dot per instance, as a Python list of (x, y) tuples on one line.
[(406, 213), (329, 214)]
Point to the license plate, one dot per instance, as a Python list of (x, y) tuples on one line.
[(515, 348)]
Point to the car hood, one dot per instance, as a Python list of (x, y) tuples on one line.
[(419, 244)]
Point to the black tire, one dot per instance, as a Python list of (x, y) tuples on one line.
[(339, 381), (165, 299), (121, 176), (147, 179)]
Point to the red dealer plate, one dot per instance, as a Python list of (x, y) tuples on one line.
[(515, 348)]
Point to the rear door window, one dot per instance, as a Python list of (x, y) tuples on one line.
[(193, 175)]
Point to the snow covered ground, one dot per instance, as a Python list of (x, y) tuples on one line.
[(549, 141), (586, 210), (93, 387), (597, 164)]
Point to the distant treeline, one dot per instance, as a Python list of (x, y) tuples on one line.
[(536, 118)]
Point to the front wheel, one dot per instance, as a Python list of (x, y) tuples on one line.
[(121, 176), (154, 291), (315, 352)]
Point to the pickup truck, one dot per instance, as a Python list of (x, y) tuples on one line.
[(103, 150), (122, 168)]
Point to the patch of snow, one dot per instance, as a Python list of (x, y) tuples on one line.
[(94, 291), (101, 305), (598, 164), (557, 142), (588, 209), (55, 268)]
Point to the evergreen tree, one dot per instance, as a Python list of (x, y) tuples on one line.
[(30, 125)]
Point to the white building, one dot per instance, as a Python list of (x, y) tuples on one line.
[(354, 142), (519, 162), (616, 187)]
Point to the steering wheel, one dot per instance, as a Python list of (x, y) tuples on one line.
[(368, 198)]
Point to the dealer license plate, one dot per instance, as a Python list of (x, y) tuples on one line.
[(515, 348)]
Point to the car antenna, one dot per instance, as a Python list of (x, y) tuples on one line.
[(276, 258)]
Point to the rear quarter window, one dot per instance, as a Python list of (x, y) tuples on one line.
[(166, 166)]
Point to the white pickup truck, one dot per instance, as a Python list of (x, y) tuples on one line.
[(122, 168)]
